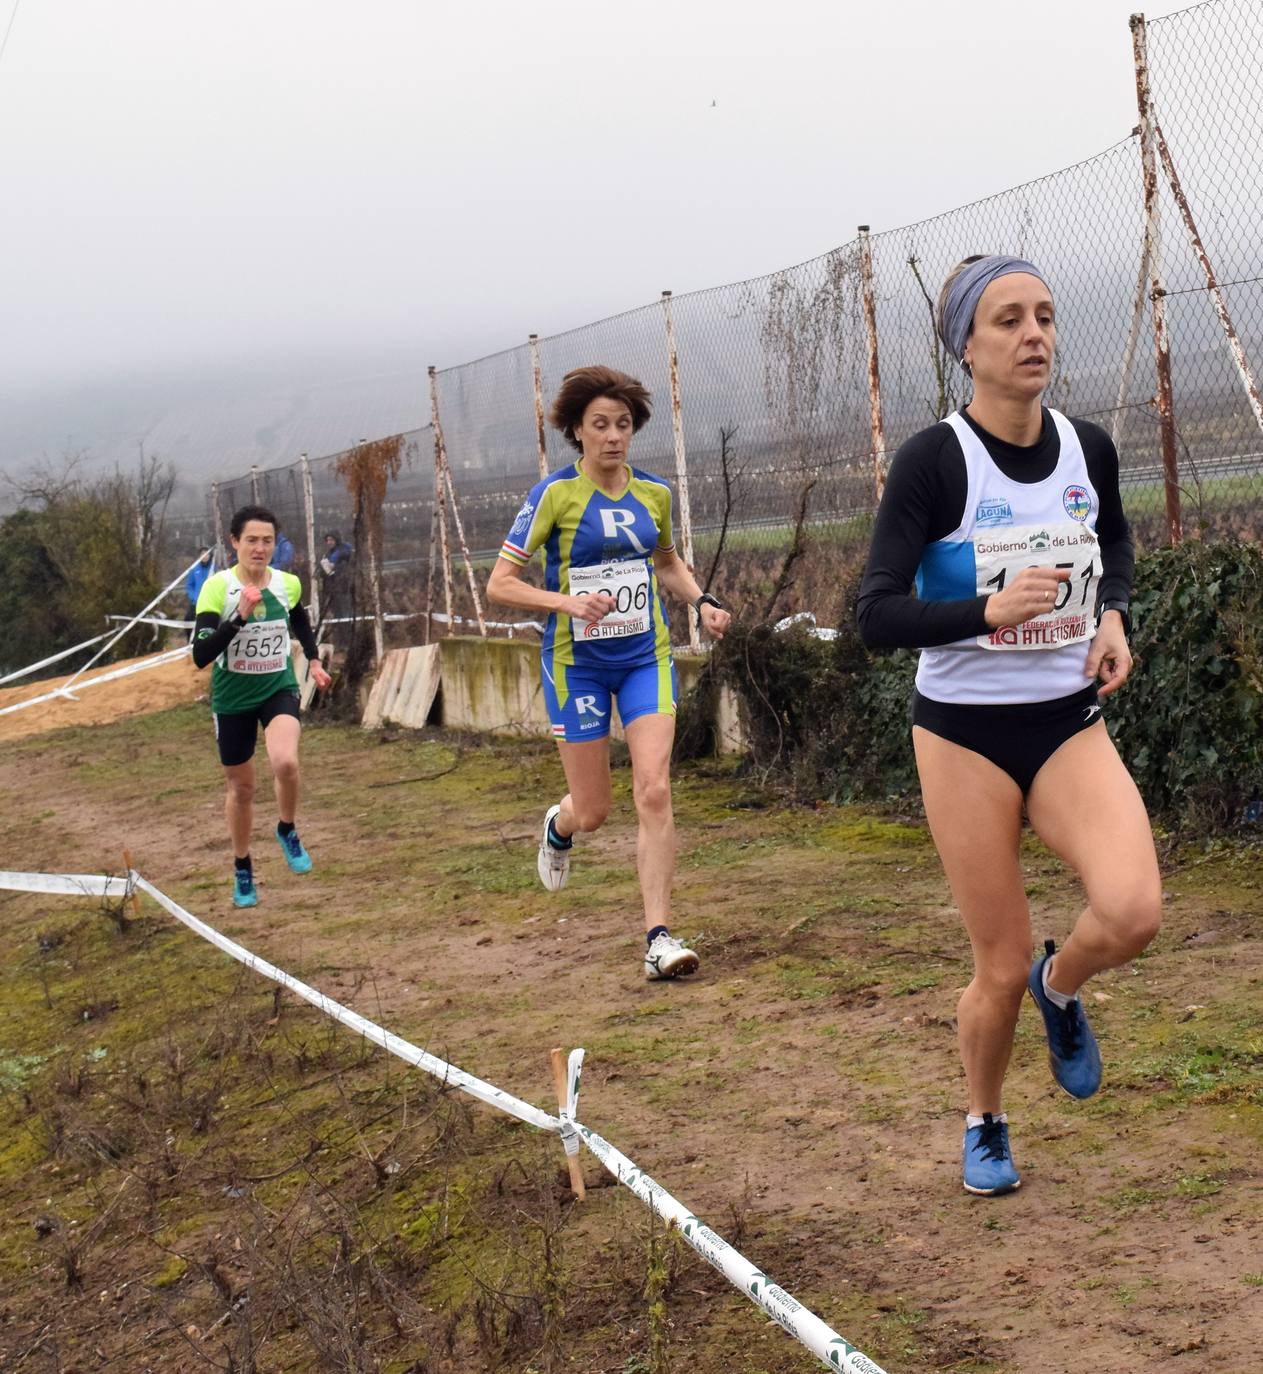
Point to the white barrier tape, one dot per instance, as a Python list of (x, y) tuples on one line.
[(62, 693), (55, 658), (788, 1313), (808, 620), (105, 648), (798, 1321), (67, 884), (444, 619), (163, 620), (411, 1054)]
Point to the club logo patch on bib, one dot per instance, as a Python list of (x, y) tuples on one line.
[(1077, 502), (996, 512)]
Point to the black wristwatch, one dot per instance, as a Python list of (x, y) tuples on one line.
[(707, 600), (1121, 607)]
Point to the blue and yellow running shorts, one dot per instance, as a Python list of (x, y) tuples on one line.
[(579, 700)]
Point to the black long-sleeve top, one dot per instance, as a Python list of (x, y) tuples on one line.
[(210, 638), (924, 501)]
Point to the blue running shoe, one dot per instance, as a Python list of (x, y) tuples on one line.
[(988, 1162), (1072, 1051), (244, 892), (295, 855)]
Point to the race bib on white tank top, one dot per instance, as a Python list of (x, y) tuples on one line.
[(1008, 526)]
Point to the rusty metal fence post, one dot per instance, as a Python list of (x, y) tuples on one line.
[(1129, 350), (1157, 292), (1240, 361), (685, 522), (877, 429), (440, 508), (538, 380), (309, 512), (217, 518), (443, 480)]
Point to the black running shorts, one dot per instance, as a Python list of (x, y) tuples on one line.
[(1018, 739), (237, 732)]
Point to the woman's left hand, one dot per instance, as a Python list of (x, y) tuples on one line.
[(715, 620), (1110, 659)]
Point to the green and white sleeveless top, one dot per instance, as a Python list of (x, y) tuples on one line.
[(256, 664)]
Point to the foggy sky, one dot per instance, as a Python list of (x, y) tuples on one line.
[(330, 190)]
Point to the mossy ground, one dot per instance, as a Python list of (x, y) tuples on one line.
[(189, 1169)]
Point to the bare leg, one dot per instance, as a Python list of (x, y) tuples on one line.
[(1085, 807), (239, 805), (587, 803), (649, 738), (281, 737), (974, 811)]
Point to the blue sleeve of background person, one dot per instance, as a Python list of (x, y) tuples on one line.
[(925, 491), (196, 580), (283, 554)]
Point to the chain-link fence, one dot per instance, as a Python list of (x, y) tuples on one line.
[(779, 400)]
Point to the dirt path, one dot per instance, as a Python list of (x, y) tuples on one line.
[(812, 1060), (95, 702)]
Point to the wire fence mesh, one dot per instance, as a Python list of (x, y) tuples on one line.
[(776, 421)]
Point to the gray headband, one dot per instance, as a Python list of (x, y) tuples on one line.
[(962, 299)]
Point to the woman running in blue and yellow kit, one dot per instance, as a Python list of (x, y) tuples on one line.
[(605, 528), (1009, 519)]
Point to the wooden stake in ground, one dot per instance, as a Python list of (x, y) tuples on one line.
[(127, 869), (559, 1082)]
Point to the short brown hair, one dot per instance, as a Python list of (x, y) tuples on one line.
[(585, 385), (941, 304)]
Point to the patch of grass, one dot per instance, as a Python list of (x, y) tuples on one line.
[(915, 982), (1199, 1185), (1134, 1199)]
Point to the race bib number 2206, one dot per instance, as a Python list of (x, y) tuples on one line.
[(627, 582), (1070, 618)]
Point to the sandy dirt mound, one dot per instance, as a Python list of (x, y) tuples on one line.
[(154, 689)]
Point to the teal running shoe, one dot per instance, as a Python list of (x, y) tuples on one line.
[(295, 855), (988, 1161), (244, 892), (1072, 1049)]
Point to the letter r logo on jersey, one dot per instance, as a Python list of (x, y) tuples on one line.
[(614, 521), (583, 705)]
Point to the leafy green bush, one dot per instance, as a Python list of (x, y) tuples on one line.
[(826, 715), (831, 719), (1189, 722)]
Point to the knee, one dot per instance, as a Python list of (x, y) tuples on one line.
[(285, 769), (1134, 918), (241, 791), (653, 797), (1002, 977), (590, 816)]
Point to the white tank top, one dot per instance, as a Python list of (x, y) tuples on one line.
[(1008, 526)]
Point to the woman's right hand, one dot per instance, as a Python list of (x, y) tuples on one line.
[(248, 600), (1032, 592), (592, 607)]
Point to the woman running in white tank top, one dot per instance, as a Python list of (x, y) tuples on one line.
[(1008, 518)]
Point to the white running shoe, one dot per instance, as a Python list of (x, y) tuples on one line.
[(553, 864), (668, 957)]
